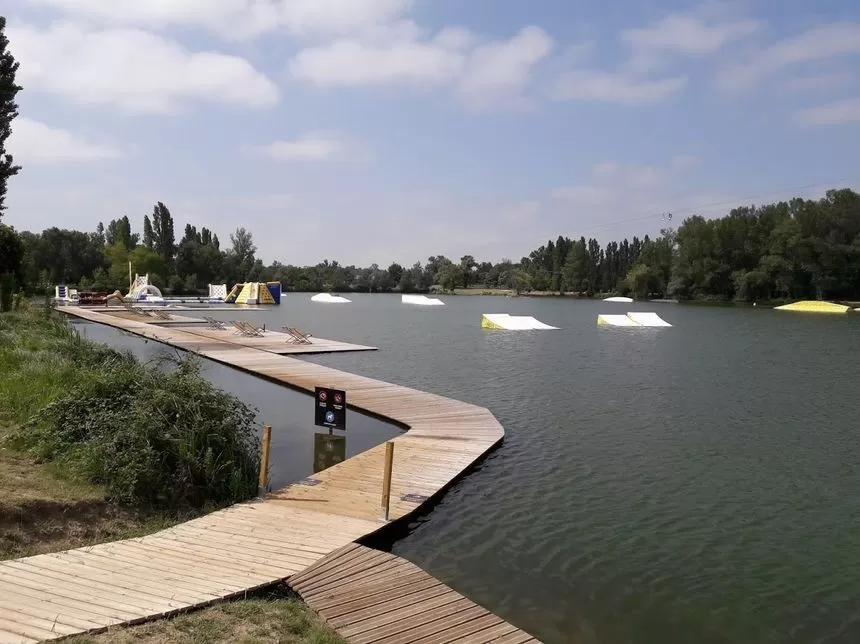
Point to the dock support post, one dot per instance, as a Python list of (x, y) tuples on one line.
[(386, 480), (264, 461)]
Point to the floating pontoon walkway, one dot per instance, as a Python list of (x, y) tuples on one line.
[(271, 341), (251, 545)]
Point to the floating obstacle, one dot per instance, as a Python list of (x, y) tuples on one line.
[(218, 292), (255, 293), (626, 300), (328, 298), (421, 300), (63, 293), (636, 318), (615, 320), (814, 306), (508, 322)]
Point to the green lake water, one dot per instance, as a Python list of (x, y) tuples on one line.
[(692, 484)]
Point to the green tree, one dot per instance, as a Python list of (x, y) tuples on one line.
[(11, 256), (8, 111), (467, 266), (148, 234), (118, 231), (164, 240)]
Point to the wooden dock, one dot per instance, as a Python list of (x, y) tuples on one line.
[(371, 596), (257, 543), (270, 341)]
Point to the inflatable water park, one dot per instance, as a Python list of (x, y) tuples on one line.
[(141, 291)]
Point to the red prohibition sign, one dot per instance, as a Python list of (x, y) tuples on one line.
[(338, 399), (323, 396)]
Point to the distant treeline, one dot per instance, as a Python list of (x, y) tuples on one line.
[(787, 250)]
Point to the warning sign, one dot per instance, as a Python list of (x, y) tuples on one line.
[(330, 408)]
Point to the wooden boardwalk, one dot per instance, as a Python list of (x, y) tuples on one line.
[(371, 596), (271, 341), (257, 543)]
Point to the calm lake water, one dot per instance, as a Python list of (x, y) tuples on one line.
[(697, 483)]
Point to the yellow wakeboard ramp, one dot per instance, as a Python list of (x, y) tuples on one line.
[(507, 322), (814, 306), (633, 319)]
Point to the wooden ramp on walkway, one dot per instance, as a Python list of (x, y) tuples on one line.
[(372, 596), (257, 543)]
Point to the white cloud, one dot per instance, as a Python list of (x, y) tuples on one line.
[(133, 69), (838, 113), (593, 85), (504, 67), (237, 18), (650, 47), (685, 35), (313, 146), (452, 58), (35, 142), (819, 82), (353, 63), (613, 195), (817, 44)]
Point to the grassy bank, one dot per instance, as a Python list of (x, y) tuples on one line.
[(276, 616), (95, 445)]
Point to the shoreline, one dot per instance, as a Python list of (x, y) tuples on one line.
[(445, 438)]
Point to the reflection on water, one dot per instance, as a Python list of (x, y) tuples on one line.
[(328, 450)]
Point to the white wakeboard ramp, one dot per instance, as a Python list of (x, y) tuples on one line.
[(509, 322), (625, 300), (635, 318), (328, 298), (421, 300)]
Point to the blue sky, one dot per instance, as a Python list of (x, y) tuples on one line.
[(390, 130)]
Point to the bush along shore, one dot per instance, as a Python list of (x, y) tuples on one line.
[(96, 445)]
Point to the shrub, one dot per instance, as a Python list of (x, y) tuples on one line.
[(164, 437)]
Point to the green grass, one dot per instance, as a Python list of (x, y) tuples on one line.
[(275, 617), (147, 435), (96, 446)]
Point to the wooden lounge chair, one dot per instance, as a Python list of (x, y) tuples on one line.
[(247, 330), (214, 324), (296, 336), (131, 309), (161, 315)]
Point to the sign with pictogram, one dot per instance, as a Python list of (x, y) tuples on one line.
[(330, 408)]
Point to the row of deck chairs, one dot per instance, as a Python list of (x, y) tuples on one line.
[(248, 330)]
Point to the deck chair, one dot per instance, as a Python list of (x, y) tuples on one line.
[(161, 315), (131, 309), (212, 323), (248, 330), (296, 336)]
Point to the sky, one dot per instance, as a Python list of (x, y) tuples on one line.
[(370, 131)]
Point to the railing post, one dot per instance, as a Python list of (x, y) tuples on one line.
[(386, 480), (264, 461)]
